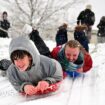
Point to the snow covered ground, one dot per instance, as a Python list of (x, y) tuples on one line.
[(89, 89)]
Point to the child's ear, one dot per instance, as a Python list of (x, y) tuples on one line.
[(30, 58)]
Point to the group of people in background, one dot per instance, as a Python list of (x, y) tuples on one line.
[(82, 31)]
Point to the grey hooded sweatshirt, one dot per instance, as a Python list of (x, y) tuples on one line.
[(42, 68)]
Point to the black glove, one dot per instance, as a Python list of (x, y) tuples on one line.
[(4, 64)]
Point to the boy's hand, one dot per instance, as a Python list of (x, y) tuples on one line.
[(30, 89), (42, 85)]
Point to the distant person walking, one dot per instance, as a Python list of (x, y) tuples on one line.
[(61, 36), (4, 25), (87, 17)]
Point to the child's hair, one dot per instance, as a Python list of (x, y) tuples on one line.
[(19, 54), (75, 44)]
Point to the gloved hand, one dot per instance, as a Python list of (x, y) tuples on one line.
[(30, 89), (42, 86)]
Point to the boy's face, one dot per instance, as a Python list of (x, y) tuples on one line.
[(71, 53), (23, 63)]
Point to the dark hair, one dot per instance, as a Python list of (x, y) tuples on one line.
[(64, 25), (5, 13), (19, 54)]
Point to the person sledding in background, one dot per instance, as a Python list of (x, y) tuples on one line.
[(87, 17), (31, 73), (4, 25), (73, 58), (61, 36), (80, 35), (39, 43)]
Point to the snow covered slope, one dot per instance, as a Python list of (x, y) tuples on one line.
[(89, 89)]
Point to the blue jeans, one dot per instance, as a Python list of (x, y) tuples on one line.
[(73, 74)]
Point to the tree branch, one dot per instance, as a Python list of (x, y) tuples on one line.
[(21, 9)]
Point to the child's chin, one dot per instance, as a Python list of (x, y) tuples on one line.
[(72, 61), (22, 70)]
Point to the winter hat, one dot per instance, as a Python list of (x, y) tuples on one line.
[(88, 6)]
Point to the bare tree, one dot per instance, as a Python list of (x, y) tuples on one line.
[(42, 14)]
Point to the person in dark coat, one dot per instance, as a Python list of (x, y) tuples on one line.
[(101, 30), (39, 43), (4, 25), (80, 35), (61, 36), (87, 17)]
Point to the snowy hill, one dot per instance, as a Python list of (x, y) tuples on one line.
[(89, 89)]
